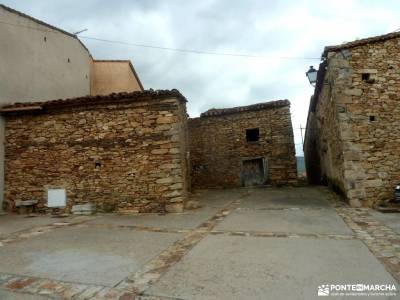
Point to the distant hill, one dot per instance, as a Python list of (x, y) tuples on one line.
[(301, 166)]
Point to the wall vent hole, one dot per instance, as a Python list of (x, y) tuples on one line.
[(371, 118)]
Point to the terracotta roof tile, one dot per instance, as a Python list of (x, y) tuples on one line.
[(253, 107), (92, 100), (361, 42)]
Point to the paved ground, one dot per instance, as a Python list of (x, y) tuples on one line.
[(242, 244), (391, 220)]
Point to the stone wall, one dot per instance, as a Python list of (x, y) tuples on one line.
[(38, 63), (358, 121), (124, 153), (323, 141), (218, 144)]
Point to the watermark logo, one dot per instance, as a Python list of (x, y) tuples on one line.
[(358, 289), (323, 290)]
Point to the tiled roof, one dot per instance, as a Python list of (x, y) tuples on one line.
[(92, 100), (9, 9), (239, 109), (361, 42)]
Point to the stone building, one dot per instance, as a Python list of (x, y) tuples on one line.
[(352, 139), (124, 152), (242, 146), (40, 62)]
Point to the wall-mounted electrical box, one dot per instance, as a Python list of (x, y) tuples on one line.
[(56, 198)]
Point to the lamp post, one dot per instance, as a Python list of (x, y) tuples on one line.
[(312, 75)]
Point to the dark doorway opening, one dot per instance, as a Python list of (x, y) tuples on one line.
[(253, 172)]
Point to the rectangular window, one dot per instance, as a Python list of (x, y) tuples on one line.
[(368, 77), (365, 76), (252, 135)]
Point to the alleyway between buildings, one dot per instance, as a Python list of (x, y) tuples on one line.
[(261, 243)]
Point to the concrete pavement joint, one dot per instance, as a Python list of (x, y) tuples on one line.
[(55, 289), (138, 227), (155, 297), (284, 235), (49, 288), (35, 231), (280, 208)]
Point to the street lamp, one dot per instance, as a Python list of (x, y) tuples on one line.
[(312, 75)]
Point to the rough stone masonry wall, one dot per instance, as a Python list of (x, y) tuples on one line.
[(218, 145), (125, 156), (323, 147), (368, 112), (373, 163)]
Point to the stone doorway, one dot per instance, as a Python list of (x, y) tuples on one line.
[(253, 172)]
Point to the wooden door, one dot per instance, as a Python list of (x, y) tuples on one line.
[(253, 172)]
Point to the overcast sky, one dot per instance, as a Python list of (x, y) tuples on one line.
[(275, 29)]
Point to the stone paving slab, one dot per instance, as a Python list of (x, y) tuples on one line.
[(189, 220), (211, 202), (391, 220), (12, 223), (154, 269), (23, 286), (304, 197), (84, 254), (9, 295), (383, 242), (219, 197), (223, 267), (319, 221)]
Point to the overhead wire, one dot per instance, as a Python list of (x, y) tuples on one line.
[(182, 50), (205, 52), (194, 51)]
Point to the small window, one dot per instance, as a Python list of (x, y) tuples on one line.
[(252, 135), (368, 77), (372, 118), (365, 76), (97, 164)]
